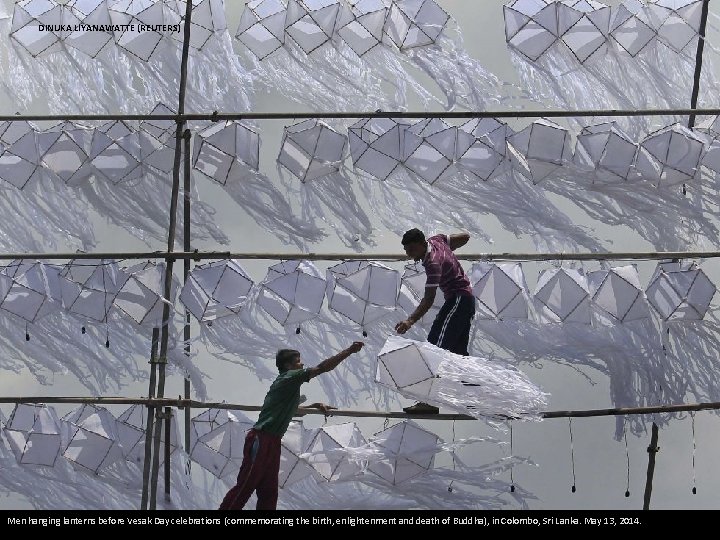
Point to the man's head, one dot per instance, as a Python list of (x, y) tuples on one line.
[(287, 359), (414, 243)]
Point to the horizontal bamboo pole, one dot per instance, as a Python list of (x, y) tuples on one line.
[(216, 116), (206, 255), (193, 404)]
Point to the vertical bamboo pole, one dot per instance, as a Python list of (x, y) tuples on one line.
[(186, 271), (149, 420), (652, 450)]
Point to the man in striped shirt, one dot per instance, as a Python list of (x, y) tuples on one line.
[(451, 328)]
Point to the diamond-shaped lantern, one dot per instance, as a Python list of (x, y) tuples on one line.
[(531, 26), (19, 152), (30, 290), (312, 149), (564, 295), (607, 150), (500, 290), (362, 291), (412, 291), (93, 438), (325, 451), (484, 154), (131, 426), (311, 23), (540, 149), (584, 26), (671, 155), (434, 148), (293, 468), (206, 421), (292, 292), (680, 291), (711, 129), (617, 291), (67, 153), (33, 431), (222, 150), (262, 26), (27, 17), (409, 452), (415, 23), (220, 451), (132, 15), (116, 153), (361, 24), (379, 145), (215, 290), (677, 22), (630, 27), (141, 296), (90, 286), (208, 17), (157, 140), (87, 12)]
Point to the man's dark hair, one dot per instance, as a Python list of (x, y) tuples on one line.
[(412, 236), (285, 357)]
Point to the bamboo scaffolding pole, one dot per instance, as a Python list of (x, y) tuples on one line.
[(181, 403), (311, 256), (217, 116), (186, 271)]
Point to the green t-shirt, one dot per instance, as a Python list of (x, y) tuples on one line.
[(281, 401)]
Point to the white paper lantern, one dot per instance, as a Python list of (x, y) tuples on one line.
[(27, 17), (223, 150), (262, 26), (33, 431), (19, 153), (294, 443), (362, 291), (141, 296), (215, 290), (670, 155), (680, 291), (409, 452), (30, 290), (412, 291), (90, 286), (292, 292), (379, 145), (617, 291), (500, 290), (132, 15), (531, 26), (607, 150), (485, 154), (93, 438), (116, 152), (361, 23), (631, 28), (87, 12), (208, 17), (584, 26), (540, 149), (677, 22), (131, 426), (434, 148), (415, 23), (220, 451), (325, 451), (312, 149), (68, 153), (564, 295), (206, 421), (311, 23)]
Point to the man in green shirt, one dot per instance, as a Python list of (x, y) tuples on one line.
[(261, 453)]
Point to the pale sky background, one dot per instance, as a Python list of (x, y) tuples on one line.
[(600, 461)]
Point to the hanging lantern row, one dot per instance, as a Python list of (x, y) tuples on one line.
[(268, 25), (140, 27), (93, 439), (294, 292), (589, 28)]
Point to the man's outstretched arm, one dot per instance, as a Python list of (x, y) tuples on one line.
[(425, 304), (458, 240), (334, 361)]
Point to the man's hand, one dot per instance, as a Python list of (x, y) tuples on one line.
[(324, 408), (403, 326), (355, 347)]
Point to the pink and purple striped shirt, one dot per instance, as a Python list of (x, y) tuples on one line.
[(443, 269)]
